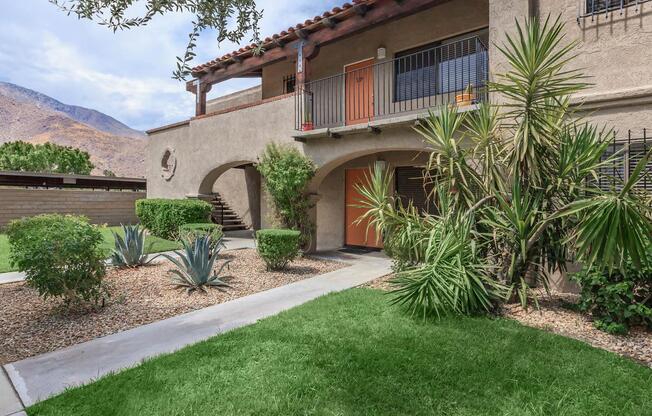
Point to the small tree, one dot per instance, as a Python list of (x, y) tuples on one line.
[(287, 173), (47, 157)]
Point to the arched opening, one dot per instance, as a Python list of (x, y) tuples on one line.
[(334, 184), (234, 189)]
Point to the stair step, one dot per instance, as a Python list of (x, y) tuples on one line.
[(234, 227)]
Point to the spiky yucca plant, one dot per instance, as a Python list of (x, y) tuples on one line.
[(195, 264), (129, 251), (525, 174)]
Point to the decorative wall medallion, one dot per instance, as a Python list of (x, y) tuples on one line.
[(168, 164)]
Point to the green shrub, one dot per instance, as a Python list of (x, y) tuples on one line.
[(163, 217), (60, 256), (192, 231), (619, 299), (287, 173), (278, 247)]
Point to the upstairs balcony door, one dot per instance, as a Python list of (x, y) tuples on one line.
[(359, 94)]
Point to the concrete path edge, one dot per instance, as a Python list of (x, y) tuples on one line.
[(44, 376)]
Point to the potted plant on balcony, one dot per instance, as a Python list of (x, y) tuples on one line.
[(307, 121), (307, 124), (465, 98)]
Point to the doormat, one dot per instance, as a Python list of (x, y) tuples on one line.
[(358, 250)]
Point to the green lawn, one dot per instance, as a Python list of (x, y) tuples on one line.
[(352, 354), (157, 245)]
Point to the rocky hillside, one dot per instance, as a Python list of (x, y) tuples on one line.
[(93, 118), (31, 116)]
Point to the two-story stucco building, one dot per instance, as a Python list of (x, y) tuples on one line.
[(347, 87)]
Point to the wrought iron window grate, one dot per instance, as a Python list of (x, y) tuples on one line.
[(593, 8)]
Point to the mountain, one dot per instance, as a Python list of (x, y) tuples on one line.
[(93, 118), (24, 115)]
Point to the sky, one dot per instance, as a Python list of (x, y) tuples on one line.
[(126, 75)]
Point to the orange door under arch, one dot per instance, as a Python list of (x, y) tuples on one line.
[(359, 96), (356, 234)]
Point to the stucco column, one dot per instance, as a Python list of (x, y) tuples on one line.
[(502, 20)]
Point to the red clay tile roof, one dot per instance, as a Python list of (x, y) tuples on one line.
[(311, 25)]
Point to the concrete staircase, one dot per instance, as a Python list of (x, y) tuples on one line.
[(223, 214)]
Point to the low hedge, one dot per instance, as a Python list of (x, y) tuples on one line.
[(278, 247), (191, 231), (163, 217)]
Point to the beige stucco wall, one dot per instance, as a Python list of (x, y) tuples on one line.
[(208, 147), (248, 96), (615, 51), (101, 207)]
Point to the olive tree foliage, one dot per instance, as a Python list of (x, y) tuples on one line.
[(231, 19), (517, 187)]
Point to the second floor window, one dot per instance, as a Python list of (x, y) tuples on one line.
[(439, 68), (289, 83)]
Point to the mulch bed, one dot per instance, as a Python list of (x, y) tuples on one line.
[(556, 315), (30, 326)]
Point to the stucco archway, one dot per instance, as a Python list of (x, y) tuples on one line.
[(234, 188), (329, 188)]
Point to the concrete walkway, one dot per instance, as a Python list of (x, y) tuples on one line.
[(231, 242), (46, 375)]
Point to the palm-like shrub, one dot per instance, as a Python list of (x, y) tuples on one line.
[(129, 251), (195, 264), (525, 176)]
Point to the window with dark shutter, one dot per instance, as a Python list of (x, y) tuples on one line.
[(440, 68), (410, 187)]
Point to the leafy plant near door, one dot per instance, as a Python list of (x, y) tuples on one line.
[(524, 184), (286, 173)]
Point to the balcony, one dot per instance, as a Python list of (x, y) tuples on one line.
[(405, 85)]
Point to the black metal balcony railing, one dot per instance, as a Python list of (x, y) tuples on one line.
[(437, 76)]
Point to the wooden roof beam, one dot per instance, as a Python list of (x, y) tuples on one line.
[(385, 11)]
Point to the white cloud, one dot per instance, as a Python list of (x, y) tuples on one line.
[(126, 75)]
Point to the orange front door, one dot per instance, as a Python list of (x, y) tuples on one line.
[(359, 96), (356, 234)]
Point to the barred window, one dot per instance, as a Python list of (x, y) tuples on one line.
[(289, 83), (593, 7)]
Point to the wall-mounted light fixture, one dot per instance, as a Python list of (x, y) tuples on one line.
[(381, 53), (380, 164)]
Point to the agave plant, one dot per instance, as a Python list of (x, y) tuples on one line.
[(195, 264), (129, 251)]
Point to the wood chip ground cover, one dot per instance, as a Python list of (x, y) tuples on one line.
[(30, 326), (555, 316)]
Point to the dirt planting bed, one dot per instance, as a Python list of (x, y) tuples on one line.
[(30, 326), (556, 315)]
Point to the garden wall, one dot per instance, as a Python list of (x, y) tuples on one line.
[(101, 207)]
